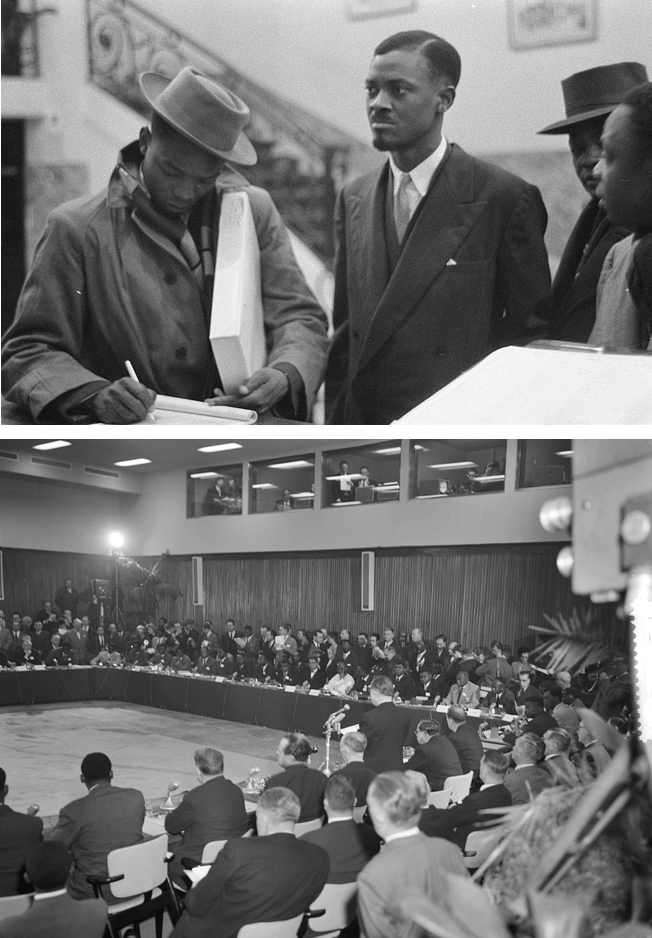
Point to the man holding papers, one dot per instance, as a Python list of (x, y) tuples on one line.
[(127, 275)]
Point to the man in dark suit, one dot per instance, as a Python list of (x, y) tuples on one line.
[(19, 834), (349, 846), (67, 598), (589, 97), (52, 911), (435, 755), (103, 820), (528, 777), (404, 686), (78, 640), (440, 256), (269, 878), (457, 822), (501, 698), (466, 741), (214, 810), (352, 749), (307, 784), (386, 727)]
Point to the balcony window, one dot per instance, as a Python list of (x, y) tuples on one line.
[(544, 462), (446, 468), (215, 491), (361, 475), (282, 484)]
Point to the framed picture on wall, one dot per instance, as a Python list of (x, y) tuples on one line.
[(362, 9), (535, 23)]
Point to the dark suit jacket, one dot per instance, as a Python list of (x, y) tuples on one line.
[(307, 784), (402, 335), (19, 834), (258, 879), (212, 811), (361, 777), (349, 846), (58, 917), (456, 823), (437, 759), (65, 600), (103, 820), (526, 782), (576, 281), (469, 748), (387, 729)]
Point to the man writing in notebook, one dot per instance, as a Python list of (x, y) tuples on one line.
[(127, 275)]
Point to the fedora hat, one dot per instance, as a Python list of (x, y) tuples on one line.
[(203, 112), (596, 92)]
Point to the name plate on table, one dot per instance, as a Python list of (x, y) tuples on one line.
[(237, 331), (220, 680), (314, 693), (290, 689), (473, 712)]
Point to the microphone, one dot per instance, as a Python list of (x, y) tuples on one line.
[(339, 713)]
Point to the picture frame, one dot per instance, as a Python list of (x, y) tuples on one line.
[(365, 9), (538, 23)]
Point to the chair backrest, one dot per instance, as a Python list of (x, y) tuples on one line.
[(304, 826), (478, 846), (339, 901), (211, 850), (143, 866), (359, 813), (440, 799), (286, 929), (460, 786), (14, 905), (249, 833)]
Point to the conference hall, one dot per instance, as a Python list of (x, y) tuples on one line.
[(165, 597)]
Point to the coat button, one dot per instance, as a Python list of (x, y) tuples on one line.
[(170, 278), (181, 353)]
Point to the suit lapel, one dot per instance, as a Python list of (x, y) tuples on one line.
[(368, 246), (445, 217)]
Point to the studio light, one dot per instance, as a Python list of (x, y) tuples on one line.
[(116, 540)]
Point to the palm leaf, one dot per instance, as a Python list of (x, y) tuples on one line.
[(575, 642)]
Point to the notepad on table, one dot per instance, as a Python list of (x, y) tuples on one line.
[(178, 410)]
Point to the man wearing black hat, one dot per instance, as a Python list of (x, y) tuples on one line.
[(590, 97), (126, 276)]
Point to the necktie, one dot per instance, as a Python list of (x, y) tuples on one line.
[(402, 212)]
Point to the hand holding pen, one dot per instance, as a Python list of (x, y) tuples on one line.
[(125, 401)]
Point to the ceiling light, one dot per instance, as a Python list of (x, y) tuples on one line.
[(454, 465), (116, 540), (564, 452), (204, 475), (265, 485), (297, 464), (353, 476), (496, 478), (132, 462), (53, 444), (390, 451), (302, 495), (438, 495), (344, 504), (219, 447)]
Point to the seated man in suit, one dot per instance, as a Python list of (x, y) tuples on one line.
[(537, 721), (269, 878), (404, 686), (103, 820), (409, 862), (53, 912), (313, 677), (557, 761), (466, 741), (463, 693), (457, 822), (308, 784), (528, 777), (19, 833), (386, 727), (60, 654), (352, 748), (349, 846), (435, 755), (432, 684), (214, 810), (501, 698)]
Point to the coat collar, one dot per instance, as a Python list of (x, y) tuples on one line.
[(445, 216)]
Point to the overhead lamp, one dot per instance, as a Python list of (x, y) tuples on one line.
[(116, 540), (565, 452), (467, 464), (53, 444), (302, 494), (353, 476), (126, 463), (389, 451), (496, 478), (297, 464), (344, 504), (219, 447), (265, 485), (204, 475)]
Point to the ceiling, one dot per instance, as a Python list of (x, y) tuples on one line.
[(171, 454)]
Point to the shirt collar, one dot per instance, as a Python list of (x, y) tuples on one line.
[(422, 174), (50, 895), (400, 835), (489, 785)]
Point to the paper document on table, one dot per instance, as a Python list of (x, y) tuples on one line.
[(177, 410), (237, 330), (349, 729)]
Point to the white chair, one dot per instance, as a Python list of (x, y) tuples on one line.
[(14, 905), (460, 786), (338, 899), (440, 799), (359, 813), (211, 851), (286, 929), (302, 827), (478, 846), (138, 875)]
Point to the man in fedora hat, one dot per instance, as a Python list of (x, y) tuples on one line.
[(127, 276), (589, 96)]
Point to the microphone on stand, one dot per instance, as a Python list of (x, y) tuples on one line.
[(338, 713)]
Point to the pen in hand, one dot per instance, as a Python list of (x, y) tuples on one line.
[(132, 374)]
